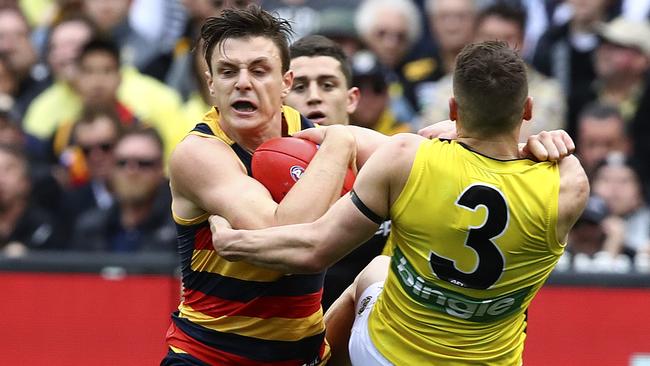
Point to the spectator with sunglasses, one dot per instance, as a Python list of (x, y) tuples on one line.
[(138, 219), (86, 166)]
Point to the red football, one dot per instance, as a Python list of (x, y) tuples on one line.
[(278, 164)]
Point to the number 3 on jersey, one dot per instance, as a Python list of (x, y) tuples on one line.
[(489, 259)]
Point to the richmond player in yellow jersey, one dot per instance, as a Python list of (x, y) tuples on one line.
[(476, 231)]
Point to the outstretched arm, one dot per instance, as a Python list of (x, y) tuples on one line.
[(544, 146), (307, 248)]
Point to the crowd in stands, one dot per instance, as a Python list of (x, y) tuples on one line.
[(95, 94)]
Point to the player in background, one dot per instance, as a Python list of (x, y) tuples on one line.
[(322, 91), (477, 230)]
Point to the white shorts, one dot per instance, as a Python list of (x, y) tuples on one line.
[(362, 350)]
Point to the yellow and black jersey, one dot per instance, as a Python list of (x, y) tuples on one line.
[(234, 313), (474, 240)]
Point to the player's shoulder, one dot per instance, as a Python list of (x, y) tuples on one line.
[(405, 141), (196, 152), (571, 168)]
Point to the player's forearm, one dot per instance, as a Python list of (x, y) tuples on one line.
[(288, 249), (320, 185)]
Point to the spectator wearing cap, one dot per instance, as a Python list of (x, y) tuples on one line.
[(623, 69), (622, 64), (616, 180), (139, 218), (373, 110), (507, 23)]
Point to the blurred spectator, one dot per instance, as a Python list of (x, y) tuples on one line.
[(373, 110), (565, 52), (23, 226), (66, 38), (47, 16), (623, 79), (337, 24), (186, 73), (15, 44), (595, 242), (151, 57), (138, 96), (622, 64), (322, 91), (45, 189), (94, 136), (390, 29), (507, 23), (616, 180), (304, 15), (181, 75), (452, 25), (140, 217), (601, 131), (199, 101)]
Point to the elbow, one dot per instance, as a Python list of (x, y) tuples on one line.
[(311, 262)]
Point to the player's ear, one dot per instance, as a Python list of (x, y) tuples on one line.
[(354, 94), (287, 81), (208, 80), (453, 109), (528, 109)]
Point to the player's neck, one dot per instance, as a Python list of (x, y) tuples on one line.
[(503, 147), (250, 138)]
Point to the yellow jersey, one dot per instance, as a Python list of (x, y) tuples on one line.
[(474, 240)]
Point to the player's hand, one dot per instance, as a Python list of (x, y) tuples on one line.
[(314, 134), (339, 135), (223, 238), (444, 130), (547, 146)]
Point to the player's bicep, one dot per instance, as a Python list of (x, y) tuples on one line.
[(217, 183), (384, 174)]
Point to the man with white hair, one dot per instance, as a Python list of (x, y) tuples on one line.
[(390, 29)]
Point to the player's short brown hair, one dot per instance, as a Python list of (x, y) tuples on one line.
[(490, 87), (243, 23)]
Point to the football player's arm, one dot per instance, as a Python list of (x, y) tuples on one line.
[(207, 176), (367, 140), (544, 146), (574, 193), (308, 248)]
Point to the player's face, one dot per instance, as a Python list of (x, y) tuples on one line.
[(247, 82), (319, 90)]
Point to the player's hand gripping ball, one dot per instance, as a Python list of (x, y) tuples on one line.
[(278, 164)]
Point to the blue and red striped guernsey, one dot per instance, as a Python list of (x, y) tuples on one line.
[(234, 313)]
